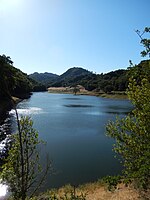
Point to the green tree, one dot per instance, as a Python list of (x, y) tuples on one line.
[(22, 168), (6, 59), (132, 133), (108, 88), (76, 89), (7, 81), (144, 41)]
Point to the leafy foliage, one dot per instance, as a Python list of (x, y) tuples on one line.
[(140, 71), (112, 182), (145, 41), (14, 80), (132, 133), (21, 169), (76, 89)]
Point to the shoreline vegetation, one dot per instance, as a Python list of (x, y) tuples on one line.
[(83, 91), (91, 191)]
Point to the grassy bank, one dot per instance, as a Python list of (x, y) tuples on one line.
[(90, 191)]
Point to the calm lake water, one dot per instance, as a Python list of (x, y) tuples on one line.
[(74, 129)]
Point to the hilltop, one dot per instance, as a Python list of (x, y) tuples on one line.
[(109, 82), (71, 76), (43, 78), (112, 81)]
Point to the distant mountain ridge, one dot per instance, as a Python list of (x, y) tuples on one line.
[(43, 78), (68, 77), (113, 81)]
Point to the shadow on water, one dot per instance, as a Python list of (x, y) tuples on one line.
[(117, 113), (78, 106), (117, 109), (73, 98)]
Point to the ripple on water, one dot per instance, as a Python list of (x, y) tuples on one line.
[(27, 111)]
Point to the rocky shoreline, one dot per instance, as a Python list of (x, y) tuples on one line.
[(6, 105)]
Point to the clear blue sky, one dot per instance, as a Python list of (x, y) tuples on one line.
[(54, 35)]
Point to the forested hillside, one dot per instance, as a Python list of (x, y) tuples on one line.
[(71, 77), (14, 82), (112, 81), (19, 83), (43, 78)]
